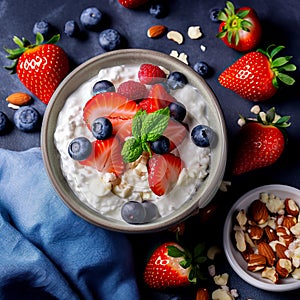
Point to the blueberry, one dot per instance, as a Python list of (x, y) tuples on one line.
[(71, 28), (176, 80), (80, 148), (103, 86), (177, 111), (110, 39), (202, 135), (160, 146), (91, 18), (42, 27), (102, 128), (213, 14), (27, 118), (133, 212), (202, 68), (152, 212), (158, 10), (4, 122)]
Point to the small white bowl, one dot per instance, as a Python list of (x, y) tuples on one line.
[(235, 258)]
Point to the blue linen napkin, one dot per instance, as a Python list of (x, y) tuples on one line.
[(46, 251)]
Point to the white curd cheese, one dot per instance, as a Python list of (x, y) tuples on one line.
[(98, 190)]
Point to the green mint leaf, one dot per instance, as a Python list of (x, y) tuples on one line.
[(155, 124), (137, 122), (131, 151)]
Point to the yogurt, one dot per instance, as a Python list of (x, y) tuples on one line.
[(103, 191)]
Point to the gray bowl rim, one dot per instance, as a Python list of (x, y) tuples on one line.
[(87, 70)]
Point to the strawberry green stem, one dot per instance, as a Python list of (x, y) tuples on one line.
[(24, 45)]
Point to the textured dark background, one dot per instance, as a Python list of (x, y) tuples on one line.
[(281, 26)]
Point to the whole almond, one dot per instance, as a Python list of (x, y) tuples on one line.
[(19, 98), (258, 212), (266, 250), (156, 31)]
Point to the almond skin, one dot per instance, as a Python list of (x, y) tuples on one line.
[(202, 294), (258, 212), (156, 31), (19, 98), (266, 250)]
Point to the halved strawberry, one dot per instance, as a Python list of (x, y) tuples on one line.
[(106, 156), (176, 132), (111, 105), (163, 172)]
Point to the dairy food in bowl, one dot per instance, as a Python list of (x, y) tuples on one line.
[(102, 193)]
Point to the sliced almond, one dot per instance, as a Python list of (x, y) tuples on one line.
[(156, 31), (18, 98)]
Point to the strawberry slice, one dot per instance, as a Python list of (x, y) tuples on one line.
[(176, 132), (163, 172), (111, 105), (150, 105), (158, 98), (106, 156)]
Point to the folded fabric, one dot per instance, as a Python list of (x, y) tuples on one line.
[(48, 252)]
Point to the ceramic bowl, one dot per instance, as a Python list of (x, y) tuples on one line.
[(235, 258), (91, 68)]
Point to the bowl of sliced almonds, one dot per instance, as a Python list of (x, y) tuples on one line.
[(262, 237)]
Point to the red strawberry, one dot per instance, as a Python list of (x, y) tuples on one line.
[(240, 29), (157, 98), (115, 107), (260, 143), (163, 172), (150, 105), (132, 3), (255, 75), (132, 90), (41, 66), (171, 266), (150, 74), (106, 156), (176, 132)]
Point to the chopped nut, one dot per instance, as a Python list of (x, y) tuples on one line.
[(284, 267), (296, 274), (175, 36), (240, 240), (156, 31), (255, 109), (194, 32), (255, 232), (242, 218), (212, 252), (270, 233), (221, 279), (289, 221), (221, 294), (256, 262), (270, 273), (291, 207)]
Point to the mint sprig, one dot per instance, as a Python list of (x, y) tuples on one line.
[(145, 128)]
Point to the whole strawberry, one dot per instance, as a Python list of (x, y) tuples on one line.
[(40, 66), (132, 3), (256, 75), (260, 142), (171, 266), (240, 29)]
